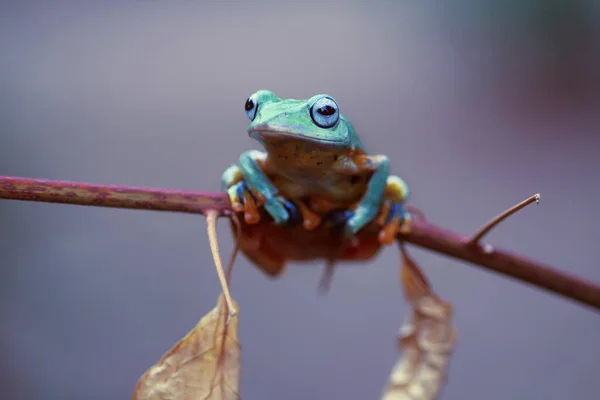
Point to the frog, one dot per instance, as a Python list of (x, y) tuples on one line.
[(313, 164)]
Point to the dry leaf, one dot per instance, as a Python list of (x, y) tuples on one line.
[(204, 365), (426, 341)]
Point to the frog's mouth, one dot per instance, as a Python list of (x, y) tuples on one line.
[(263, 134)]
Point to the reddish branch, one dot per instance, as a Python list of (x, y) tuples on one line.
[(422, 233), (86, 194)]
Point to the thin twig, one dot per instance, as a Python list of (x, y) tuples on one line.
[(422, 233), (491, 224)]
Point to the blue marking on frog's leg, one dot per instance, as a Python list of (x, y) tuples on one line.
[(240, 189), (295, 216), (338, 220), (397, 210), (369, 206), (392, 213), (255, 178)]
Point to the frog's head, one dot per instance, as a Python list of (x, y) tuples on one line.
[(317, 119)]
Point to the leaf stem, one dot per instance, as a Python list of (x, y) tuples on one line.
[(211, 228)]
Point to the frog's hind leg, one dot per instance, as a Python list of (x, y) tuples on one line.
[(393, 216), (254, 243), (337, 220), (327, 277)]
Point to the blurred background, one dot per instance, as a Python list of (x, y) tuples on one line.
[(478, 104)]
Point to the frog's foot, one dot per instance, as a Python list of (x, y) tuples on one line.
[(283, 211), (393, 218), (245, 200), (310, 220), (340, 225), (338, 222)]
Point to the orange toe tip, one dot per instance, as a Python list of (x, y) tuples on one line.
[(386, 239), (237, 207), (388, 233), (308, 225), (311, 223), (251, 218), (405, 227)]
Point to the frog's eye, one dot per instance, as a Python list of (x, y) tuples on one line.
[(251, 107), (325, 112)]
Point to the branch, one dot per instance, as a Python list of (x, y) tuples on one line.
[(423, 233), (85, 194)]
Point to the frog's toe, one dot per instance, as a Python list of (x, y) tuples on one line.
[(235, 197), (240, 189), (397, 219), (243, 200)]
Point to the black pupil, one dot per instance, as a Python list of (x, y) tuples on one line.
[(249, 105), (326, 110)]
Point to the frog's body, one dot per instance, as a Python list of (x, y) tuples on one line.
[(301, 168), (313, 162)]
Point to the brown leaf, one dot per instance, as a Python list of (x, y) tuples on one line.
[(204, 365), (426, 341)]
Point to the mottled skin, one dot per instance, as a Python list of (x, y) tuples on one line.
[(313, 163)]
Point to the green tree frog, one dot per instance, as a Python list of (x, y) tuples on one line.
[(313, 163)]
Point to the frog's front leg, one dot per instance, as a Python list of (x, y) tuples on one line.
[(250, 186), (241, 197), (385, 196), (368, 208)]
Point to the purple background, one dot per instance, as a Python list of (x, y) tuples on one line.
[(478, 107)]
